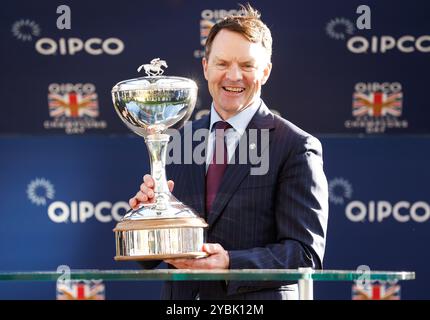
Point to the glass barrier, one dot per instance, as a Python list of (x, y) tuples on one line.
[(304, 276)]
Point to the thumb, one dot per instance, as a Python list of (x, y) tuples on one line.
[(211, 248)]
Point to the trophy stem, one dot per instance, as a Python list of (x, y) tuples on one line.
[(157, 149)]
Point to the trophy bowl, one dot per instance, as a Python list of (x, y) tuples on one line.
[(165, 228)]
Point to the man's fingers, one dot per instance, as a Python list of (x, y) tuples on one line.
[(145, 190), (148, 185), (149, 182), (132, 202), (170, 184), (212, 248), (146, 193), (140, 196), (172, 261), (178, 263), (218, 259), (188, 263)]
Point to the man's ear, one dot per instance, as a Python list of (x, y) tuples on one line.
[(205, 67), (266, 72)]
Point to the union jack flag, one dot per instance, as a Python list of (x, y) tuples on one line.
[(377, 104), (73, 105), (376, 291), (80, 290)]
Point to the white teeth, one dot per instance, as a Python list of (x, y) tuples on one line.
[(232, 89)]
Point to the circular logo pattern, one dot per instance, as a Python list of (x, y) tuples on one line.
[(337, 28), (25, 30), (39, 190), (339, 189)]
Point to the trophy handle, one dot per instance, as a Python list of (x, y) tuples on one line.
[(157, 149)]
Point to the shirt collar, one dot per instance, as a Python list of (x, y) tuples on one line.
[(240, 121)]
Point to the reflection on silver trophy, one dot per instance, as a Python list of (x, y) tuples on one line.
[(165, 228)]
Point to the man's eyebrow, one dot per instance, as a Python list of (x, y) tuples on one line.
[(219, 59), (248, 61), (251, 60)]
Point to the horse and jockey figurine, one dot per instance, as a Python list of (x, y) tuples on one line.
[(154, 67)]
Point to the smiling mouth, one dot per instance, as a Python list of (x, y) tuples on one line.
[(234, 89)]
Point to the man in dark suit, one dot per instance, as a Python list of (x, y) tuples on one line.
[(266, 215)]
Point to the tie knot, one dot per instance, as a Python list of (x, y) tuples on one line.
[(222, 125)]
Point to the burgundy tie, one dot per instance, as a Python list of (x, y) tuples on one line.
[(217, 167)]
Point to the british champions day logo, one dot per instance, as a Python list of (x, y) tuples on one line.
[(73, 107), (341, 194), (376, 107), (41, 192)]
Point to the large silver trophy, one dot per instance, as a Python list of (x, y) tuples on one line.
[(164, 228)]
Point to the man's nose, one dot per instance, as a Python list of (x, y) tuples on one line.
[(234, 73)]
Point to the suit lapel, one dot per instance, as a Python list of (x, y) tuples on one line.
[(236, 172)]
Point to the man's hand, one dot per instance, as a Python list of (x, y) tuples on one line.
[(218, 259), (146, 192)]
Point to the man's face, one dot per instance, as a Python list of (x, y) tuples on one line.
[(235, 70)]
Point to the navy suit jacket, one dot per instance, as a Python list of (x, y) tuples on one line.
[(272, 221)]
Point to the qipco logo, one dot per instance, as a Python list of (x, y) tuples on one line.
[(378, 211), (105, 211), (383, 44), (72, 46)]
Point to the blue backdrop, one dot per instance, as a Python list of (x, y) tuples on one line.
[(65, 173)]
